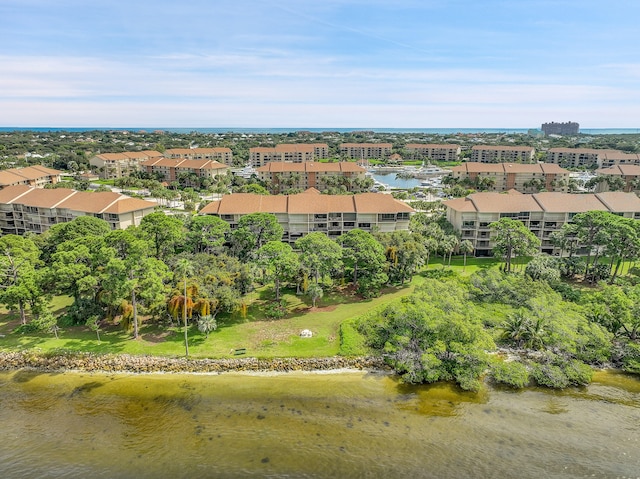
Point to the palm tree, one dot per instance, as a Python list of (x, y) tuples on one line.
[(465, 247), (449, 244), (184, 268)]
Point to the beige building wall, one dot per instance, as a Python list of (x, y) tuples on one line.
[(501, 154)]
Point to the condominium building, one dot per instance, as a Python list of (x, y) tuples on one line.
[(27, 209), (288, 152), (524, 177), (629, 174), (118, 165), (590, 157), (220, 154), (282, 176), (365, 151), (614, 157), (567, 128), (498, 154), (311, 211), (433, 152), (542, 213), (188, 170), (37, 176)]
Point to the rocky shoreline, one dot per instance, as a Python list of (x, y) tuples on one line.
[(111, 363)]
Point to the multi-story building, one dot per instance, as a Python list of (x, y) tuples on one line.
[(26, 209), (37, 176), (188, 170), (311, 211), (219, 154), (288, 152), (310, 174), (118, 165), (365, 151), (524, 177), (433, 152), (590, 157), (629, 174), (500, 154), (542, 213), (614, 157), (568, 128)]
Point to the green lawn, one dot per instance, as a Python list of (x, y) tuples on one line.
[(259, 336)]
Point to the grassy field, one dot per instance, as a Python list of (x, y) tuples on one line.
[(259, 336)]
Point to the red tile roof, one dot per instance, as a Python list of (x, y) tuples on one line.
[(309, 202)]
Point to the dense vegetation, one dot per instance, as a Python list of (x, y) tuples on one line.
[(545, 323)]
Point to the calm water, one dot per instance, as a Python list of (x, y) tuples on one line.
[(311, 425), (390, 179)]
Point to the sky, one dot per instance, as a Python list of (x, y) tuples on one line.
[(319, 63)]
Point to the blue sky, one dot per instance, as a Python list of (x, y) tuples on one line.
[(320, 63)]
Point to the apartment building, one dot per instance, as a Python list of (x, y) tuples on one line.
[(524, 177), (433, 152), (542, 213), (169, 170), (566, 128), (288, 152), (630, 175), (118, 165), (37, 176), (610, 158), (590, 157), (28, 209), (501, 154), (282, 176), (365, 151), (311, 211), (219, 154)]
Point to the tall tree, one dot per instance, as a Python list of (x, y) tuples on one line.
[(164, 232), (253, 231), (206, 233), (132, 275), (363, 256), (319, 255), (19, 258), (592, 230), (513, 239), (79, 228), (183, 269), (405, 253), (466, 247), (279, 261)]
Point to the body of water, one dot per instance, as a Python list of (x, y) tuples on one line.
[(392, 181), (342, 425)]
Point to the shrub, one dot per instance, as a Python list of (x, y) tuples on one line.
[(352, 343), (630, 357), (276, 309), (511, 373), (26, 328), (560, 373), (578, 373), (549, 375)]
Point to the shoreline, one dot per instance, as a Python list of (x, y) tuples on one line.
[(125, 363)]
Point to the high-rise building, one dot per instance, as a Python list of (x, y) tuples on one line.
[(568, 128)]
